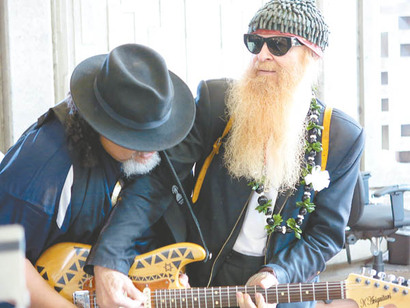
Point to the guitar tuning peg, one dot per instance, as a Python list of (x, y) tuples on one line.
[(364, 271), (400, 280), (391, 277), (381, 275), (372, 272)]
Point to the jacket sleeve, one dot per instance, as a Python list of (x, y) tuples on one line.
[(324, 233), (32, 175), (129, 228)]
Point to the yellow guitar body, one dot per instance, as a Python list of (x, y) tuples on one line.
[(62, 266)]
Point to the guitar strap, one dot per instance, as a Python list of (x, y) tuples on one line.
[(188, 203), (326, 136), (325, 150), (208, 160)]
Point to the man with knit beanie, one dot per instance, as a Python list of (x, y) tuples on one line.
[(274, 172)]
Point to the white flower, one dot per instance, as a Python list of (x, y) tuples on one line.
[(318, 178)]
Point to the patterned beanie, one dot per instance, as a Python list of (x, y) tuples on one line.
[(298, 17)]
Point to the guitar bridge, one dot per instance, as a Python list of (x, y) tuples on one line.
[(82, 299)]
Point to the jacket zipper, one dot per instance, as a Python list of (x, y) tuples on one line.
[(226, 241)]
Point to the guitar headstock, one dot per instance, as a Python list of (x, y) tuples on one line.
[(371, 292)]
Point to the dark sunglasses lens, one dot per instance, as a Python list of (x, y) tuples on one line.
[(254, 43), (279, 46)]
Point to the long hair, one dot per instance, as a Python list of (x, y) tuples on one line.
[(83, 140)]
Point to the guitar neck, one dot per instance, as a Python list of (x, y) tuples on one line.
[(62, 265), (226, 296)]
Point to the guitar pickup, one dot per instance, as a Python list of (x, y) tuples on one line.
[(82, 299)]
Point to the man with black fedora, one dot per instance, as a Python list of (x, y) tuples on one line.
[(275, 170), (57, 181)]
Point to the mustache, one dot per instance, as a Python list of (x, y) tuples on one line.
[(271, 66)]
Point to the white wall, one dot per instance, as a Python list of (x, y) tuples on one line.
[(31, 61), (198, 39), (340, 63)]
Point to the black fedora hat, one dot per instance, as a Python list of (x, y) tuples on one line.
[(131, 98)]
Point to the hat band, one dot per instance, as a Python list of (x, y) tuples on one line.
[(127, 122)]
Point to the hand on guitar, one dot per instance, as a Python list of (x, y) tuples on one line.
[(114, 289), (184, 280), (263, 279)]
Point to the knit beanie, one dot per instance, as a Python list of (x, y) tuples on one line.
[(298, 17)]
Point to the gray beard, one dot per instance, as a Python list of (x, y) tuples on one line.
[(131, 167)]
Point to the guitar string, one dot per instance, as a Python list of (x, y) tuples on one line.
[(224, 293), (292, 288), (335, 287), (318, 286)]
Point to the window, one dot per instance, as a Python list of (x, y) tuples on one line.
[(404, 22), (385, 137), (405, 50), (385, 78), (384, 44), (385, 104), (405, 130)]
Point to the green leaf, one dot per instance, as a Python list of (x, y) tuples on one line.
[(277, 219), (312, 125), (270, 229), (300, 204), (297, 234), (254, 185), (310, 207), (314, 105), (264, 208), (306, 170), (317, 146), (291, 223)]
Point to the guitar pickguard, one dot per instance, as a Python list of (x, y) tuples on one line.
[(62, 266), (164, 264)]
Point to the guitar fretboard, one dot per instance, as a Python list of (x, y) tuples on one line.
[(226, 296)]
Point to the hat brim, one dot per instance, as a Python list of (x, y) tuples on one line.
[(167, 135)]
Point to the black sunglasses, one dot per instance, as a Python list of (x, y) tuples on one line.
[(277, 45)]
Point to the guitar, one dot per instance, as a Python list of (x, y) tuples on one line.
[(156, 274)]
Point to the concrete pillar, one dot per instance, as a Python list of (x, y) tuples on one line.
[(30, 68)]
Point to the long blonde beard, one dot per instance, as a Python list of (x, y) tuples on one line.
[(266, 142)]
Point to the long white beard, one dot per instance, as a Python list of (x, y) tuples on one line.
[(283, 167), (266, 141), (131, 167)]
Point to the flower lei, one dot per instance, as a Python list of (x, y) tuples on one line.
[(311, 178)]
